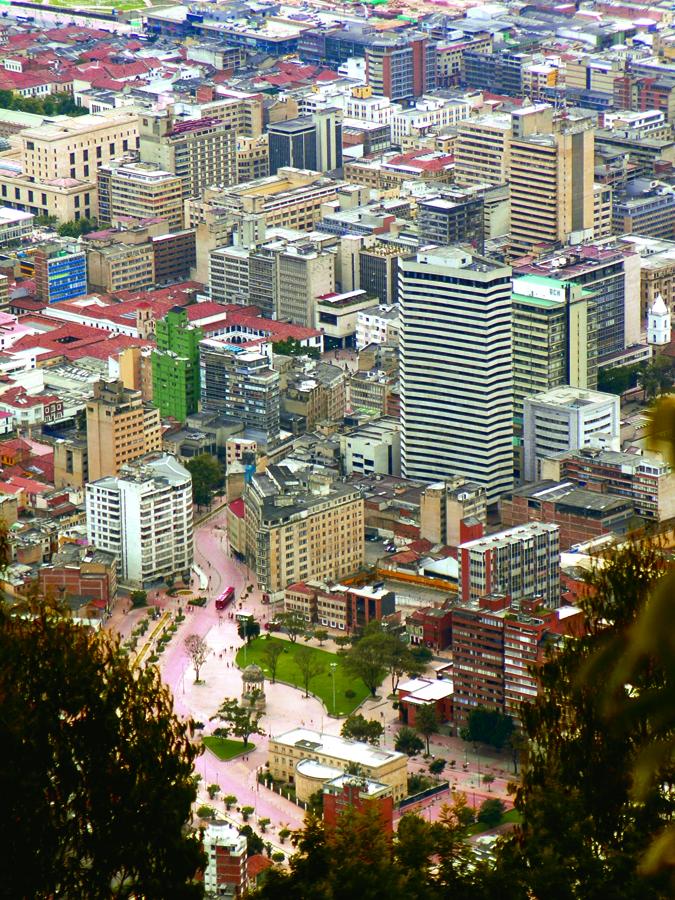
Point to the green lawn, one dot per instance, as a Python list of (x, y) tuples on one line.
[(512, 816), (224, 748), (322, 685)]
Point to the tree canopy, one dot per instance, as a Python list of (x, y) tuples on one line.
[(95, 771), (241, 721), (488, 726), (357, 728), (207, 477)]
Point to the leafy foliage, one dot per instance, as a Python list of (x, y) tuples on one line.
[(488, 726), (293, 347), (271, 652), (76, 227), (207, 477), (293, 623), (309, 665), (240, 721), (491, 812), (357, 728), (60, 104), (247, 629), (408, 742), (426, 721), (96, 770)]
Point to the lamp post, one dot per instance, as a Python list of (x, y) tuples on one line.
[(333, 667)]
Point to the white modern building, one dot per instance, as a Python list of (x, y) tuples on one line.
[(456, 369), (567, 418), (427, 113), (521, 562), (14, 224), (374, 448), (144, 516)]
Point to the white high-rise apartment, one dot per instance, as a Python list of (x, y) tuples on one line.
[(144, 516), (456, 369)]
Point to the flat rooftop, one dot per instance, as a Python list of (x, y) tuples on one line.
[(338, 747)]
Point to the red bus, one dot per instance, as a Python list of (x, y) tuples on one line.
[(225, 598)]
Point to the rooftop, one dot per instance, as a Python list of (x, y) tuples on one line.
[(338, 747)]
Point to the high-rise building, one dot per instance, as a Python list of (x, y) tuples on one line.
[(456, 369), (226, 872), (566, 419), (292, 143), (551, 177), (520, 562), (240, 383), (401, 66), (304, 272), (60, 272), (444, 221), (482, 150), (328, 124), (144, 516), (202, 152), (120, 428), (300, 527), (175, 365), (140, 190)]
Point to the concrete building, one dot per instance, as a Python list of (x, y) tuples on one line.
[(226, 872), (551, 177), (303, 274), (253, 158), (141, 190), (120, 428), (649, 211), (482, 150), (444, 221), (353, 792), (60, 272), (240, 383), (519, 563), (400, 66), (118, 266), (378, 271), (201, 152), (14, 225), (456, 369), (292, 143), (451, 510), (564, 419), (339, 606), (288, 751), (144, 516), (312, 390), (377, 325), (301, 527), (84, 572), (175, 365), (373, 449), (338, 315)]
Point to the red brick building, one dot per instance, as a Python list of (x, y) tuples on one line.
[(347, 791), (226, 872), (430, 627), (423, 692), (92, 578)]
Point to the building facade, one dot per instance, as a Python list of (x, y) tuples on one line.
[(60, 272), (175, 365)]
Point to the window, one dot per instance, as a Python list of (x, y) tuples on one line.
[(85, 155), (98, 153)]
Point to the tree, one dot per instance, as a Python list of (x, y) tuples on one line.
[(247, 629), (357, 728), (254, 843), (76, 228), (229, 800), (488, 726), (241, 721), (366, 660), (591, 728), (198, 650), (138, 599), (619, 379), (293, 623), (271, 652), (309, 665), (426, 721), (293, 347), (408, 742), (212, 790), (205, 812), (247, 812), (321, 635), (488, 779), (263, 823), (436, 766), (207, 477), (96, 769), (491, 812)]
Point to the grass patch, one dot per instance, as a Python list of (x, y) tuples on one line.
[(224, 748), (322, 685), (512, 816)]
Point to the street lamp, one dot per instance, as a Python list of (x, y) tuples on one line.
[(333, 667)]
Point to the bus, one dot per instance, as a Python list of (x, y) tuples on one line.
[(225, 598)]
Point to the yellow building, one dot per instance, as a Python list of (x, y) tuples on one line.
[(120, 428), (482, 150), (301, 527), (58, 163), (308, 759), (253, 158), (141, 190)]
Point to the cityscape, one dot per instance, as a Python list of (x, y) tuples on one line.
[(337, 435)]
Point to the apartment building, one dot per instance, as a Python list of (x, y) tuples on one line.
[(175, 366), (239, 382), (202, 152), (144, 516), (312, 389), (304, 273), (645, 479), (377, 325), (565, 419), (120, 428), (226, 871), (115, 266), (400, 66), (60, 272), (482, 150), (331, 755), (300, 527), (241, 111), (519, 562), (253, 158), (442, 220), (338, 606), (378, 271), (140, 190), (373, 448), (451, 510)]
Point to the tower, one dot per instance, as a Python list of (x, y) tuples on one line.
[(659, 325), (456, 369)]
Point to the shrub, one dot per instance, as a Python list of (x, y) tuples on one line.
[(350, 694), (278, 857), (212, 790), (284, 833), (491, 812), (205, 812), (246, 812), (229, 801)]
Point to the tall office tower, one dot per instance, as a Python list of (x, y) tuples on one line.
[(303, 273), (292, 143), (520, 562), (140, 190), (442, 220), (120, 428), (60, 272), (328, 125), (482, 150), (202, 152), (551, 175), (144, 516), (175, 365), (240, 383), (401, 67), (456, 369)]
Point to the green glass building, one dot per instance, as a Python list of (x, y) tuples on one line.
[(175, 365)]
